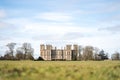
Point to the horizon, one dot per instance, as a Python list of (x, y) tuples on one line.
[(60, 22)]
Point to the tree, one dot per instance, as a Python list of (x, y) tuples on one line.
[(39, 59), (88, 53), (25, 52), (103, 55), (28, 51), (96, 54), (19, 53), (9, 53), (116, 56)]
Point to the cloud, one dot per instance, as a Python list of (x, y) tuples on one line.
[(65, 36), (2, 38), (49, 30), (113, 19), (46, 28), (2, 13), (9, 31), (116, 17), (47, 37), (56, 31), (54, 16), (5, 25), (114, 29), (74, 35)]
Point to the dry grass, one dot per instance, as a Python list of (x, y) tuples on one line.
[(59, 70)]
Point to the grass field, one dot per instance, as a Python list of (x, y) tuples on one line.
[(59, 70)]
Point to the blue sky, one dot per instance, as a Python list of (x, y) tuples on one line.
[(60, 22)]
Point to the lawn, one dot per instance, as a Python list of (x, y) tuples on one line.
[(59, 70)]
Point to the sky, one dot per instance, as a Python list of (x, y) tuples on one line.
[(60, 22)]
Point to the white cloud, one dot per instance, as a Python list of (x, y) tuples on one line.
[(2, 24), (112, 29), (49, 31), (17, 21), (46, 28), (52, 30), (2, 13), (54, 16), (5, 25)]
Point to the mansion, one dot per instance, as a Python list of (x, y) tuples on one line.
[(70, 52)]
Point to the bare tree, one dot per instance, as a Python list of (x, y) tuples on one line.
[(9, 53), (88, 53), (116, 56), (28, 51), (19, 53), (96, 54)]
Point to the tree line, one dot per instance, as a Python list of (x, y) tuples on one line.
[(25, 52), (94, 53)]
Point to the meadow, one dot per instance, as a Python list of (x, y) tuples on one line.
[(59, 70)]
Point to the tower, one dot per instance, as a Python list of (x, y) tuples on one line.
[(48, 52), (75, 52), (68, 52), (42, 51)]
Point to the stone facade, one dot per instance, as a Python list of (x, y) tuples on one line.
[(47, 52)]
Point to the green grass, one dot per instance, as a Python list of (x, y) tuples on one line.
[(59, 70)]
